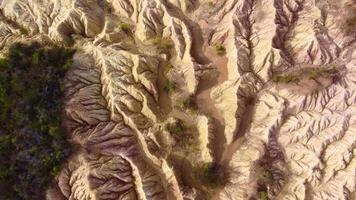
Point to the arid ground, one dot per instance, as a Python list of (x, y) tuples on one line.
[(201, 99)]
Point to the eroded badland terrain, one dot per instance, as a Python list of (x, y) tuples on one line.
[(201, 99)]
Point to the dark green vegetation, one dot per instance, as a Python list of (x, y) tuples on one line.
[(124, 27), (309, 73), (32, 142), (189, 103), (209, 175), (266, 180), (289, 78), (263, 195), (182, 134), (170, 87), (211, 3), (220, 49), (267, 175), (162, 44), (175, 128), (167, 67), (23, 31)]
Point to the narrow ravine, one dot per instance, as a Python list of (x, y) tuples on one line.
[(243, 127), (207, 105), (203, 97)]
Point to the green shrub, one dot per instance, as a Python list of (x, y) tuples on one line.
[(290, 78), (263, 195), (125, 27), (167, 67), (309, 73), (268, 175), (32, 144), (23, 31), (220, 49), (175, 128), (35, 58), (313, 74), (330, 71), (162, 44), (209, 174), (189, 103), (3, 62), (170, 87), (67, 64)]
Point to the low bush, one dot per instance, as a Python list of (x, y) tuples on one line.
[(209, 174), (268, 175), (211, 3), (312, 74), (220, 49), (170, 87), (189, 103), (23, 31), (309, 73), (290, 78), (263, 195), (125, 27), (175, 128), (162, 44)]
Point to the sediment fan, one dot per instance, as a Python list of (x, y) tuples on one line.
[(202, 99)]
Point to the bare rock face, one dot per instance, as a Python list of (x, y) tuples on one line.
[(263, 89)]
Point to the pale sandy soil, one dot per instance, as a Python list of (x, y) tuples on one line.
[(118, 109)]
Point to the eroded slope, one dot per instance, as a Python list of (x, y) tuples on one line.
[(262, 89)]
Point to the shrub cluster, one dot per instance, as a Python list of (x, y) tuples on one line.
[(32, 142), (290, 78), (189, 103), (310, 73), (125, 27), (220, 50), (209, 174), (263, 195), (162, 44), (170, 87), (175, 128)]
